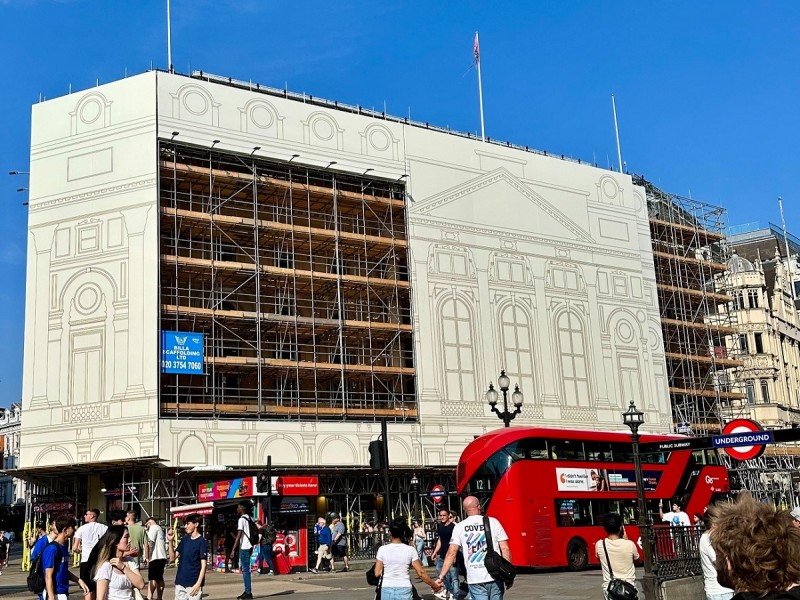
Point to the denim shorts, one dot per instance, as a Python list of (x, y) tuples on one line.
[(396, 593)]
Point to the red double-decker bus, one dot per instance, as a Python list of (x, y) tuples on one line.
[(551, 487)]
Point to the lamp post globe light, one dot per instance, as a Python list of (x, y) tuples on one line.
[(634, 418), (492, 397)]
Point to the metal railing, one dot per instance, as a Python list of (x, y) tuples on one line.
[(360, 545), (676, 552)]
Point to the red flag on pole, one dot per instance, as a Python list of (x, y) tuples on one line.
[(476, 49)]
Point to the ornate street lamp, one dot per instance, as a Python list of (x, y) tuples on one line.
[(516, 398), (414, 493), (634, 418)]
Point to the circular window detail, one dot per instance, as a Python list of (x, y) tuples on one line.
[(91, 111), (624, 332), (196, 103), (610, 188), (261, 117), (323, 129), (87, 299), (379, 139)]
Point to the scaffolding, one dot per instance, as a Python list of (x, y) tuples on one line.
[(299, 280), (689, 253)]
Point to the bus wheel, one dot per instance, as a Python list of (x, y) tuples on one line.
[(577, 555)]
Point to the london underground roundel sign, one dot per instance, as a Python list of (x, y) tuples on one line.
[(743, 427), (437, 494)]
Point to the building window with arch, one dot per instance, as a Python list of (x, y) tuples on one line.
[(515, 333), (572, 351), (459, 357), (750, 389)]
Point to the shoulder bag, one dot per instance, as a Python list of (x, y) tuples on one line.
[(497, 566), (372, 579), (617, 588)]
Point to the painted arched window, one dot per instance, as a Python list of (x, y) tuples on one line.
[(572, 351), (459, 354), (515, 333)]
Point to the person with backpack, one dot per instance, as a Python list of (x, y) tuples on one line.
[(54, 565), (42, 540), (246, 539), (266, 538), (471, 536)]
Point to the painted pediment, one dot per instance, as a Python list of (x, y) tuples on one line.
[(499, 200)]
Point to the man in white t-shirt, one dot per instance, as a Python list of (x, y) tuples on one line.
[(85, 539), (708, 560), (469, 536), (245, 546), (155, 553), (676, 517)]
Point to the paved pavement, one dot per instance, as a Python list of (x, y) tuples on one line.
[(341, 586)]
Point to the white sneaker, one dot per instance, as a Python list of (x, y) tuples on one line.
[(443, 595)]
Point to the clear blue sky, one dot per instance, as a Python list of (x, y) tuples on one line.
[(707, 92)]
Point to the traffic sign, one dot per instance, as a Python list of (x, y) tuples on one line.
[(743, 439), (437, 493)]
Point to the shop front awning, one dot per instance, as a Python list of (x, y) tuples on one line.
[(202, 508)]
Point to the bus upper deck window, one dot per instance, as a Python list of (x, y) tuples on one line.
[(566, 450), (597, 451), (656, 458), (533, 448)]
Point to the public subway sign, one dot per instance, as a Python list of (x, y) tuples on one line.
[(182, 352)]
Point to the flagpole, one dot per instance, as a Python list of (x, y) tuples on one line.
[(480, 84), (169, 41), (786, 242), (616, 131)]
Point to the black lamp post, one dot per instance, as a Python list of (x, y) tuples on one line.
[(415, 493), (492, 397), (633, 418)]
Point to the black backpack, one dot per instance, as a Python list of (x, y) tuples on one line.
[(36, 583), (252, 531)]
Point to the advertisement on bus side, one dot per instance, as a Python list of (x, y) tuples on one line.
[(603, 480)]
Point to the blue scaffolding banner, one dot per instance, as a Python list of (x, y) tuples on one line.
[(182, 352)]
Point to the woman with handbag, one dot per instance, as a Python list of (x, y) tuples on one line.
[(393, 562), (617, 555)]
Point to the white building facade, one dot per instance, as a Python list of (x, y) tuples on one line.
[(12, 489), (530, 263)]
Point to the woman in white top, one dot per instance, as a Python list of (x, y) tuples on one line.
[(393, 562), (621, 553), (114, 574)]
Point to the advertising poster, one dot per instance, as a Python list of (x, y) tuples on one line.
[(604, 480), (225, 490), (580, 480)]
